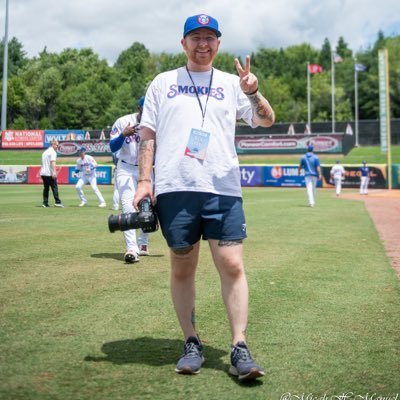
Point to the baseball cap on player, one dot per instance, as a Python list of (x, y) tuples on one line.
[(201, 21), (82, 150), (310, 148)]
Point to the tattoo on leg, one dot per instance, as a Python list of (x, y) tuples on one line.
[(182, 252), (226, 243), (193, 318)]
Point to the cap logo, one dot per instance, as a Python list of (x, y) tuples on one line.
[(203, 19)]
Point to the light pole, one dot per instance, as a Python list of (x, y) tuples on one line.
[(5, 73), (356, 99)]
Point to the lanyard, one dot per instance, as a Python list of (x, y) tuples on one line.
[(203, 112)]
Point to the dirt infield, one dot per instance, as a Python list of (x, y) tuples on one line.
[(384, 208)]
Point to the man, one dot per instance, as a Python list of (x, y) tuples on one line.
[(364, 170), (312, 170), (337, 176), (48, 174), (124, 139), (86, 170), (188, 123)]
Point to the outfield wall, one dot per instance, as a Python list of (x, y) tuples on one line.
[(71, 141), (250, 175)]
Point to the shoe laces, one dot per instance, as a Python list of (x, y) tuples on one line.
[(241, 354), (191, 350)]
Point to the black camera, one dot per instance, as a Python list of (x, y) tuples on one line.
[(146, 219)]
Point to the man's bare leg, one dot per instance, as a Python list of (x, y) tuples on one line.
[(183, 291), (228, 258)]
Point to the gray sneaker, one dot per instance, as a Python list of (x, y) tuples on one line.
[(243, 365), (192, 358)]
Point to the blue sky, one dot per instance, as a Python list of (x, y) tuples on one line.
[(109, 27)]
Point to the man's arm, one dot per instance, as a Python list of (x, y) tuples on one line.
[(53, 169), (319, 172), (263, 114), (146, 159), (299, 168)]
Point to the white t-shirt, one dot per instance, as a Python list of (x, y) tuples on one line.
[(172, 110), (130, 147), (47, 157), (337, 171), (86, 165)]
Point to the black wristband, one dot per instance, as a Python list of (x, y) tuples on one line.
[(251, 94)]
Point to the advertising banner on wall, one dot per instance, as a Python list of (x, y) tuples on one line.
[(284, 176), (22, 139), (396, 176), (377, 176), (61, 135), (93, 147), (34, 174), (13, 174), (288, 144), (103, 175), (251, 175)]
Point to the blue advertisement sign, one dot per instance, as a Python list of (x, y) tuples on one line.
[(284, 176), (62, 135), (251, 175), (103, 175)]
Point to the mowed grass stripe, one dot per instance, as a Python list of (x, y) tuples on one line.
[(76, 322)]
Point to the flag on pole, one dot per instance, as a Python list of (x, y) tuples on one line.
[(360, 68), (337, 58), (314, 68)]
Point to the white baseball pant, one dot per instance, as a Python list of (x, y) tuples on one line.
[(338, 185), (88, 180), (127, 177), (311, 185), (364, 185)]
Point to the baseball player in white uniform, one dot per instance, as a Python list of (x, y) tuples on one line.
[(116, 192), (86, 170), (337, 176), (124, 139)]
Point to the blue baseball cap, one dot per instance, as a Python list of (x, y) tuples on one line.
[(310, 148), (201, 21), (140, 102), (82, 150)]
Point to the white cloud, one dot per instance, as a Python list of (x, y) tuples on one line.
[(109, 27)]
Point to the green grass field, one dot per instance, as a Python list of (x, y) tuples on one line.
[(371, 154), (77, 323)]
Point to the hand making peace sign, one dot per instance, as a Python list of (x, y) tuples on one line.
[(248, 81)]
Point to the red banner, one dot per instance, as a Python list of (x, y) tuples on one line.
[(32, 139), (34, 175)]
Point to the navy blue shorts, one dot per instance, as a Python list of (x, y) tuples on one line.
[(186, 217)]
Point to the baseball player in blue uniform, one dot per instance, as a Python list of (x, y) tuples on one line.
[(124, 139), (312, 172), (86, 170), (364, 178)]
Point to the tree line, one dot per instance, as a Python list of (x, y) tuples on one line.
[(75, 89)]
